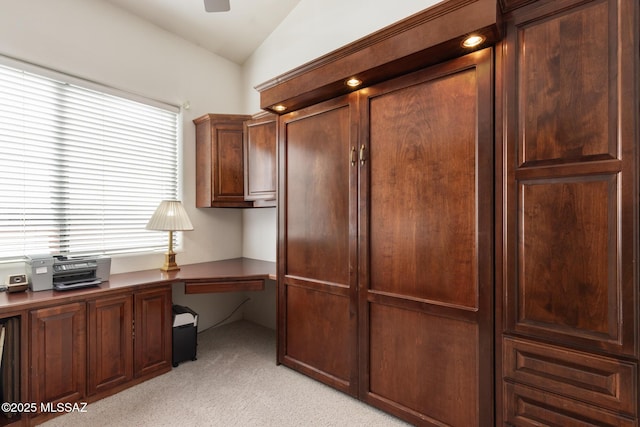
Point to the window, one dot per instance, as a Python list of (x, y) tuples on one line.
[(81, 171)]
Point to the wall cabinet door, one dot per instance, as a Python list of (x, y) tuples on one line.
[(317, 246), (58, 353), (426, 244), (110, 339), (220, 161), (260, 138), (152, 331)]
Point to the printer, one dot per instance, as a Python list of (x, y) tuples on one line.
[(64, 273)]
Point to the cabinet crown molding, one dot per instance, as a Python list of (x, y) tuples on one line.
[(425, 38)]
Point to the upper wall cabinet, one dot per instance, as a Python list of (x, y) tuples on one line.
[(260, 159), (220, 161)]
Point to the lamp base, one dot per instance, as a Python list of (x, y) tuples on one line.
[(170, 262)]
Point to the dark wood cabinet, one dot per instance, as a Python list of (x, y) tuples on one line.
[(110, 339), (570, 112), (220, 161), (386, 243), (317, 275), (426, 243), (58, 354), (260, 137), (94, 347), (152, 331)]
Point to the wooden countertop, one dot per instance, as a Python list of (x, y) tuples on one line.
[(228, 270)]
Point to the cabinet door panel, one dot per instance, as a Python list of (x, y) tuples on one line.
[(58, 356), (571, 189), (565, 86), (317, 243), (428, 243), (423, 191), (110, 358), (425, 364), (260, 139), (152, 339), (316, 334), (220, 161), (229, 163)]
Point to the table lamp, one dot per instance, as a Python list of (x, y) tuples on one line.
[(170, 216)]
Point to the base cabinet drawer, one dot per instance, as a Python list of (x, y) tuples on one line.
[(601, 381), (525, 406)]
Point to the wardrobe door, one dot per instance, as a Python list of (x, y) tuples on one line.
[(317, 243), (571, 121), (426, 248)]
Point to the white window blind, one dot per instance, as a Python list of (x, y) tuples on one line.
[(81, 172)]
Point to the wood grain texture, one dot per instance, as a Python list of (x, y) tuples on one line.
[(58, 355), (212, 271), (260, 140), (529, 407), (223, 286), (423, 190), (110, 342), (567, 262), (317, 322), (601, 381), (318, 196), (426, 244), (152, 331), (571, 164), (220, 161), (566, 115), (318, 335), (427, 364), (570, 118)]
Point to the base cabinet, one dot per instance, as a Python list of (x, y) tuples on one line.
[(110, 339), (85, 350), (152, 332), (58, 353)]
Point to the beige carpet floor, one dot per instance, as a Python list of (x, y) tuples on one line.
[(234, 382)]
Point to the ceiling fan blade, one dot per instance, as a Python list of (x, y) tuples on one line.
[(217, 5)]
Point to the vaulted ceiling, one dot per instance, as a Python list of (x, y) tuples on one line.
[(233, 35)]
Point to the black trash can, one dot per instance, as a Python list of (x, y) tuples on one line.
[(185, 334)]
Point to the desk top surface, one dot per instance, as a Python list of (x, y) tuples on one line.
[(228, 269)]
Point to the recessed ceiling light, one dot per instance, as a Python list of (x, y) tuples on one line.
[(353, 82), (279, 108), (473, 41)]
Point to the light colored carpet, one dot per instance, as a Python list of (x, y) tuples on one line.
[(234, 382)]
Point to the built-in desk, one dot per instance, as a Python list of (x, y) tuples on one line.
[(230, 275), (104, 338)]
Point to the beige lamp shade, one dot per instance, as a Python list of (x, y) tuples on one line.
[(170, 216)]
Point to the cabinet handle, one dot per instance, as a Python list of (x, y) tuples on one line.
[(362, 155), (353, 156)]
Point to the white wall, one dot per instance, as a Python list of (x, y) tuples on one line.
[(93, 40), (314, 28)]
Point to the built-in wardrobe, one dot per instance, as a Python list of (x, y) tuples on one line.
[(458, 238)]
